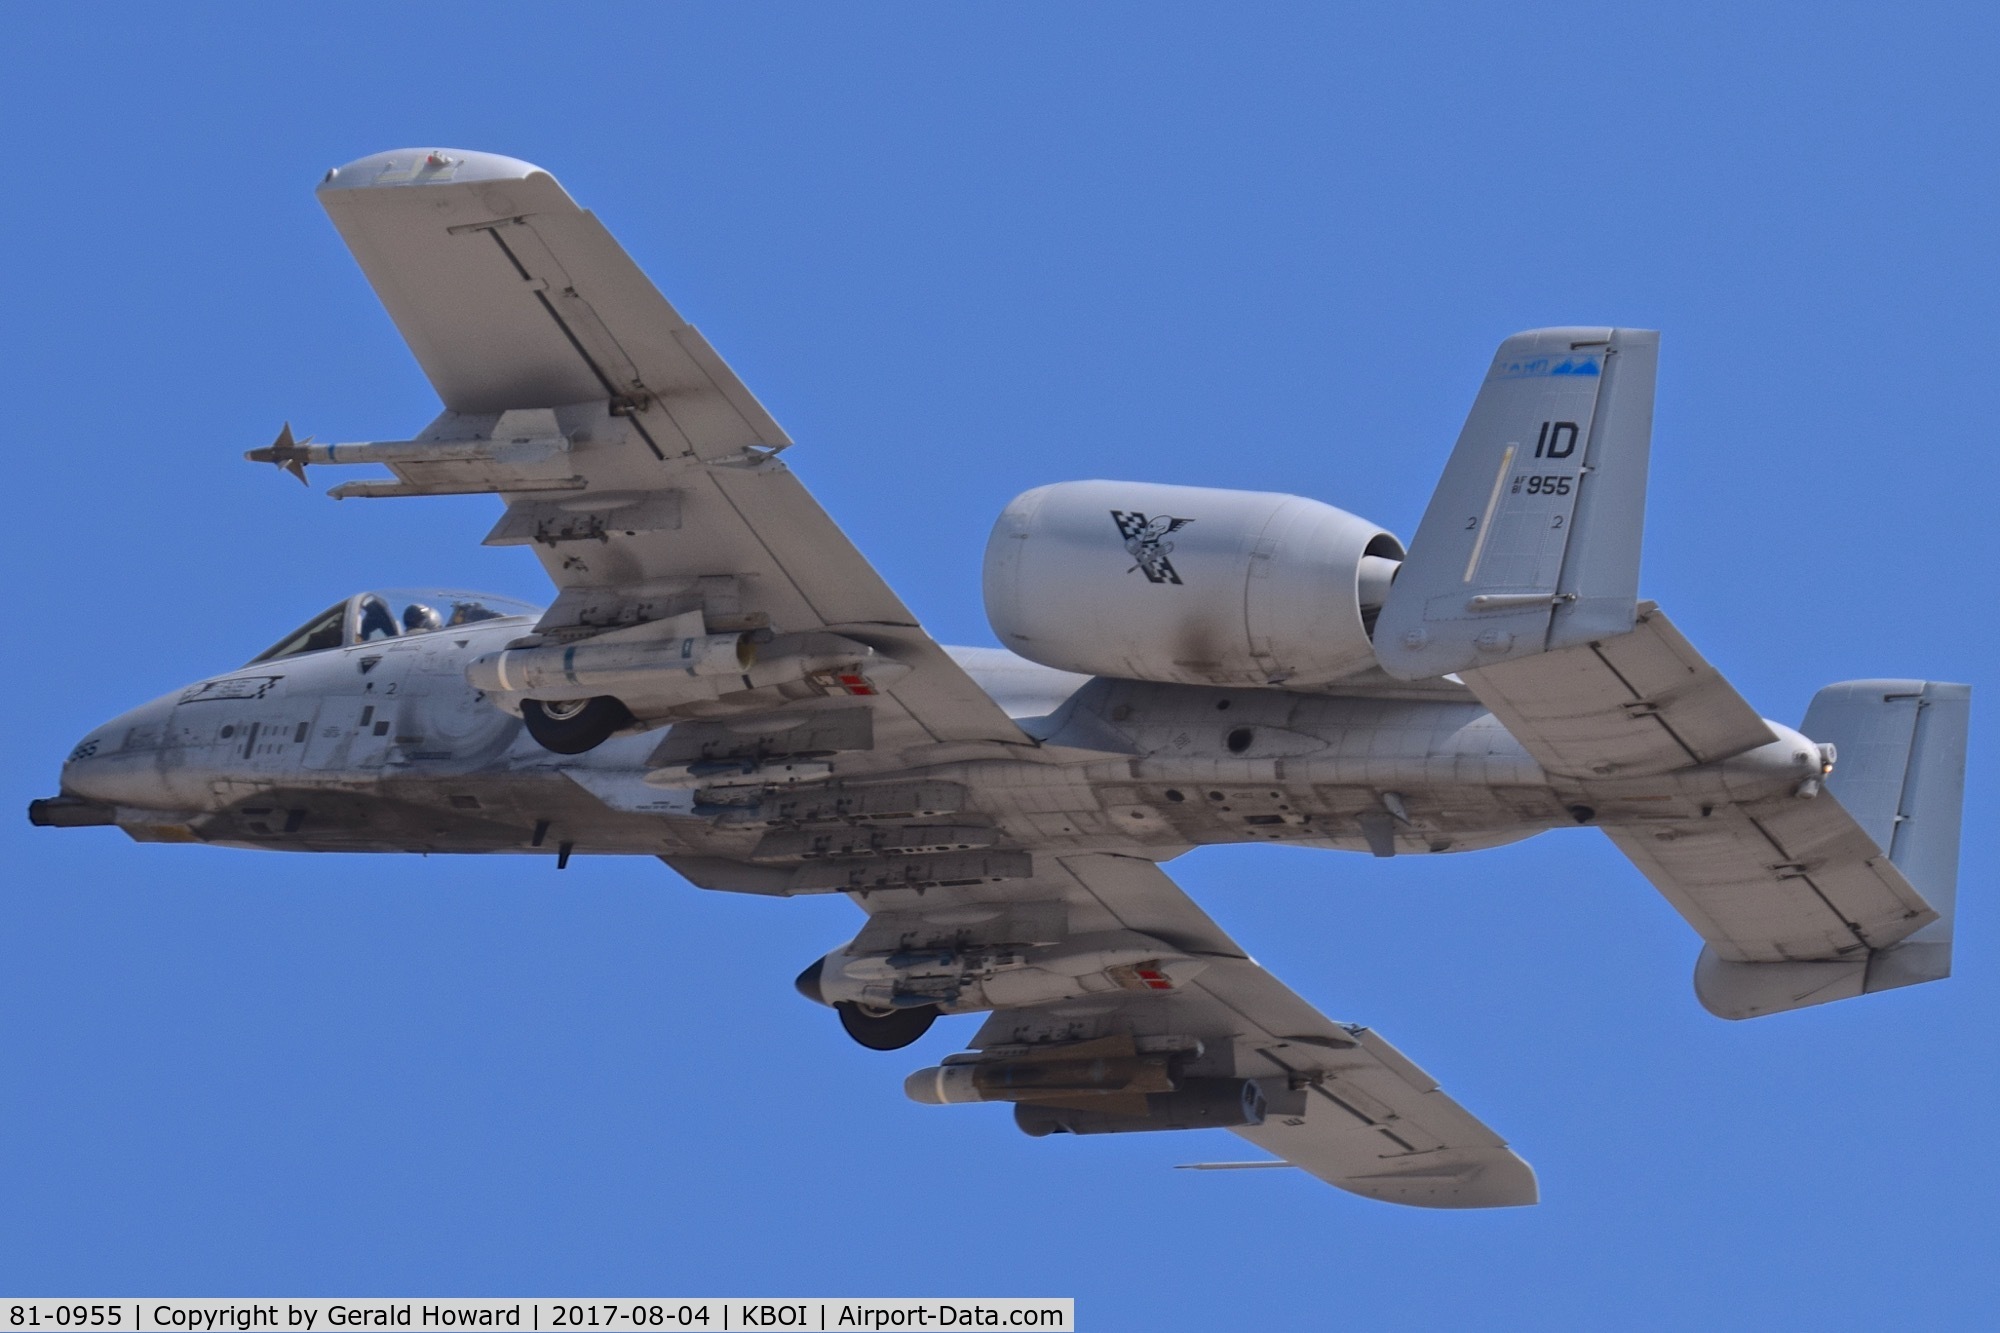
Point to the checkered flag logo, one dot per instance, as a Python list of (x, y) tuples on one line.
[(1146, 541)]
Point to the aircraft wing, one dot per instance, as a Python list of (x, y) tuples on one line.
[(642, 472), (1347, 1107)]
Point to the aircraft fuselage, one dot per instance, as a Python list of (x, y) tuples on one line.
[(384, 747)]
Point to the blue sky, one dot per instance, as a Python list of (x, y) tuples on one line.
[(961, 251)]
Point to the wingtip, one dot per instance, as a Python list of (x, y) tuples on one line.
[(1494, 1179), (426, 166)]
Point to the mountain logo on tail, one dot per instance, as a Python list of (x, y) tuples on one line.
[(1541, 366)]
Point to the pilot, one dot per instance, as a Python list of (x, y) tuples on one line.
[(418, 618)]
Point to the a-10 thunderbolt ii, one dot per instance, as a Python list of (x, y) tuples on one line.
[(723, 682)]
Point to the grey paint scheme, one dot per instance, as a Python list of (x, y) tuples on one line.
[(976, 800)]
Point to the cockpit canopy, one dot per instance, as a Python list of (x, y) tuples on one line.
[(392, 613)]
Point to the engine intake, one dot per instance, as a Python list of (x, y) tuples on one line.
[(1187, 585)]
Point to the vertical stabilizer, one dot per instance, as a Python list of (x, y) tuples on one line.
[(1900, 772), (1531, 540)]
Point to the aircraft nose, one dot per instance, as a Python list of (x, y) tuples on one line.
[(118, 763)]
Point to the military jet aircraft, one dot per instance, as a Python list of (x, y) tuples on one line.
[(722, 681)]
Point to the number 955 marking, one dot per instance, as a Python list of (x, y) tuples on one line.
[(1541, 485)]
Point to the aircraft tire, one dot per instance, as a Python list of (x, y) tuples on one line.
[(574, 727), (890, 1031)]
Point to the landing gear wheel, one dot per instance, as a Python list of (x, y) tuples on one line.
[(885, 1029), (572, 726)]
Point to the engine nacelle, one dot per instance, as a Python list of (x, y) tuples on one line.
[(1187, 585)]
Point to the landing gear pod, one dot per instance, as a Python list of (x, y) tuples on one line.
[(649, 674), (960, 977), (888, 1028)]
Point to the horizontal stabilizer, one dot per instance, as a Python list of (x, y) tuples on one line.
[(1900, 777), (1777, 881), (1630, 705), (1531, 540)]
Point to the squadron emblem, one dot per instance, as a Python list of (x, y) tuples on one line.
[(1147, 540)]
